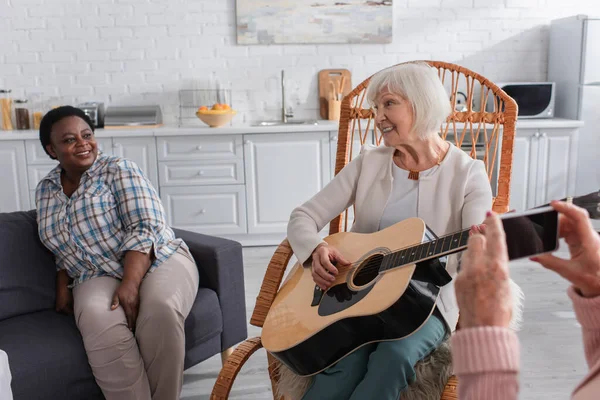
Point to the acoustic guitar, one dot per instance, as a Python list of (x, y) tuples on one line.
[(382, 295)]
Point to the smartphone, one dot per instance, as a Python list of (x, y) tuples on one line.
[(531, 232)]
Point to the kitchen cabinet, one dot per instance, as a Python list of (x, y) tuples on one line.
[(243, 183), (544, 166), (282, 172), (14, 195), (212, 210), (142, 151), (201, 183)]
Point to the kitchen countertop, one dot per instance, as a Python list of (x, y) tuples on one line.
[(323, 125)]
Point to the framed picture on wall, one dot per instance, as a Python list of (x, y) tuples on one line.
[(313, 21)]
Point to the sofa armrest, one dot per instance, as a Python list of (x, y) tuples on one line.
[(221, 268)]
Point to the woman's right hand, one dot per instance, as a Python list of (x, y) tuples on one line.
[(64, 300), (323, 270), (64, 295), (583, 269)]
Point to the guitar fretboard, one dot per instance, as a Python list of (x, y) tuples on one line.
[(444, 245)]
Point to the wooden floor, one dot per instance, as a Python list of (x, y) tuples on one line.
[(551, 349)]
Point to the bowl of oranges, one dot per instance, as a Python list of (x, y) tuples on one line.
[(217, 115)]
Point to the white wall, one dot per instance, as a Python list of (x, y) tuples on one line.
[(92, 49)]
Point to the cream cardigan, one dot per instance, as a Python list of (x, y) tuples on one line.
[(454, 197)]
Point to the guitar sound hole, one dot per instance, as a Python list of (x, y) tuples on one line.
[(368, 270)]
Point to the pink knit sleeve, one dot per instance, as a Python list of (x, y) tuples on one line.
[(588, 315), (486, 362), (587, 311)]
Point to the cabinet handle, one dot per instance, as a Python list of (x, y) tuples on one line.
[(544, 134), (202, 211), (247, 142), (334, 139), (536, 135), (198, 147), (201, 173)]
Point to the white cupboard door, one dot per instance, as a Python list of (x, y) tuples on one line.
[(588, 142), (557, 165), (591, 56), (141, 151), (14, 195), (212, 210), (282, 172), (520, 176)]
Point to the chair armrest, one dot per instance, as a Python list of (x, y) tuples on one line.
[(221, 268), (232, 367)]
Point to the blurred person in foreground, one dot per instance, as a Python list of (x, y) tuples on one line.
[(485, 351)]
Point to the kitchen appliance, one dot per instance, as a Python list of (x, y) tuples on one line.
[(95, 111), (534, 99), (574, 64), (149, 116)]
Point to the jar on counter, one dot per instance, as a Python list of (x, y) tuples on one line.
[(22, 114), (6, 109), (36, 109)]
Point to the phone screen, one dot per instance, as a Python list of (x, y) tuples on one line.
[(531, 233)]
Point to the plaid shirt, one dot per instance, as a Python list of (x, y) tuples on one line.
[(115, 209)]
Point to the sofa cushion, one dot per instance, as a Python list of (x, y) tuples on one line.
[(205, 320), (47, 358), (27, 268), (48, 361)]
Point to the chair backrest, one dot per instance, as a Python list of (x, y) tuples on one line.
[(482, 113)]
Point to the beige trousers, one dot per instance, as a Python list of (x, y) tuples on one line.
[(148, 365)]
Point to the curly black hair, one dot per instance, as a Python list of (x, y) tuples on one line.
[(55, 115)]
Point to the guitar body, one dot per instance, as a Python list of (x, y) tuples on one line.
[(309, 330)]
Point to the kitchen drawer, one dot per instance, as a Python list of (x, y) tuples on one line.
[(212, 210), (200, 148), (36, 173), (184, 173), (37, 156)]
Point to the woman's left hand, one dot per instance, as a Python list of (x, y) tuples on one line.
[(483, 283), (127, 296)]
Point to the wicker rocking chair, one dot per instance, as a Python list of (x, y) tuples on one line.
[(469, 127)]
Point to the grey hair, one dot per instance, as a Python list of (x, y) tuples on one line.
[(419, 84)]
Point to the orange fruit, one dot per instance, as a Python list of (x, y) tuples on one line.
[(217, 106), (226, 106), (203, 108)]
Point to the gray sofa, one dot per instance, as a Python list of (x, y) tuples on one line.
[(46, 354)]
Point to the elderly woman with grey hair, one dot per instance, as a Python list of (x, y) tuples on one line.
[(415, 174)]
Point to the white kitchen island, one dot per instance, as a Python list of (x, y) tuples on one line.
[(242, 182)]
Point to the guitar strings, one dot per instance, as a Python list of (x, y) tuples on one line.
[(373, 265)]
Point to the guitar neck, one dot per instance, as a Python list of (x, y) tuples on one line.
[(444, 245), (456, 242)]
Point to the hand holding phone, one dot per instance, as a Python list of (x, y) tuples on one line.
[(583, 269), (531, 232)]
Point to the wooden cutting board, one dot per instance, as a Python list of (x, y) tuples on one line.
[(325, 77)]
